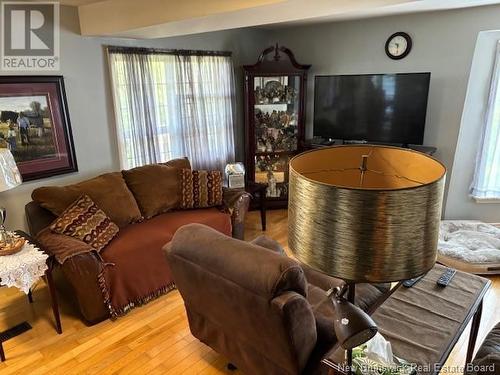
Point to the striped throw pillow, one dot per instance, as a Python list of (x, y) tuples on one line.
[(86, 222), (200, 189)]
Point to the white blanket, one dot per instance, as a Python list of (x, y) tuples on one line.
[(469, 241)]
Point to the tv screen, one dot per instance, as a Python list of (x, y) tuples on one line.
[(385, 108)]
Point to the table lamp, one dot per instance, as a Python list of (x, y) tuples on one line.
[(364, 214), (9, 178)]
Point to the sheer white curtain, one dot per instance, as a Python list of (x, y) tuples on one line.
[(170, 105), (486, 183)]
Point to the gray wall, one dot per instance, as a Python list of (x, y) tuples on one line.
[(443, 45), (459, 204), (84, 67)]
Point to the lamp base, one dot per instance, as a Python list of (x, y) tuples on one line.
[(351, 296), (352, 325)]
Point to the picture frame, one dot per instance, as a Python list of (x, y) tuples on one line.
[(35, 125)]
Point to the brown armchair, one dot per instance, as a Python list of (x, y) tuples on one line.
[(254, 305)]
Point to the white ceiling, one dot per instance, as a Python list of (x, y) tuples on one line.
[(404, 7), (163, 18)]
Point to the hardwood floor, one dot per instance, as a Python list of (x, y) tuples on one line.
[(153, 339)]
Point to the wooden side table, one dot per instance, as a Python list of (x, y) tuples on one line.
[(51, 263), (259, 191), (14, 331)]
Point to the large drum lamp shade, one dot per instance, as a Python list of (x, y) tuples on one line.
[(365, 213)]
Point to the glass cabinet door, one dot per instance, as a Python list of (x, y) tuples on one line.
[(276, 105)]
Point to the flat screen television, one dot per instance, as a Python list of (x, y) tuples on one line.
[(383, 108)]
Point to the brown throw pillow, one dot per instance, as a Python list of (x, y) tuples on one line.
[(86, 222), (155, 188), (201, 189), (109, 191)]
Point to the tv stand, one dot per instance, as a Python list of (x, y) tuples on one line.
[(429, 150), (312, 144), (354, 142)]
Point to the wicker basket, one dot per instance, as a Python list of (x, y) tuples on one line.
[(15, 247)]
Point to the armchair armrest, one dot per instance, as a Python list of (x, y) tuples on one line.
[(268, 243), (319, 279), (236, 202)]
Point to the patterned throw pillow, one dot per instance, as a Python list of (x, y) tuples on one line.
[(87, 222), (200, 189)]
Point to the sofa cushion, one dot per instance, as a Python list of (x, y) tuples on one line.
[(156, 188), (140, 271), (200, 189), (86, 222), (180, 163), (105, 190), (160, 229)]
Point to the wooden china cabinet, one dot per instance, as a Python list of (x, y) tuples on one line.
[(275, 95)]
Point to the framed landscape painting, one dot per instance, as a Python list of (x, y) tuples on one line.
[(35, 126)]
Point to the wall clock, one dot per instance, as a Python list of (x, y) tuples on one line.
[(398, 45)]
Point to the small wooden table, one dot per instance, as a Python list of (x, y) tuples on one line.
[(52, 292), (423, 323), (259, 191)]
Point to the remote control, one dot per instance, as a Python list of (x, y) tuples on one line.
[(410, 282), (446, 277)]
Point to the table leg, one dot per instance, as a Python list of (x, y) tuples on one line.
[(262, 197), (474, 329), (53, 299), (2, 353), (349, 362)]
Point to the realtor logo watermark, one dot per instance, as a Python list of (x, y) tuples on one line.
[(30, 36)]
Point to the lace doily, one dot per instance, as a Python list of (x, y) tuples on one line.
[(23, 268)]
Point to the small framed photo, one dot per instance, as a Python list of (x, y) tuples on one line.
[(35, 125)]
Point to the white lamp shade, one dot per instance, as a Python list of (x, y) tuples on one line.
[(10, 177)]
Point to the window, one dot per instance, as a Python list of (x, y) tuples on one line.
[(169, 105), (486, 183)]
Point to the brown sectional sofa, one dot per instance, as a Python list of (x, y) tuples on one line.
[(140, 233)]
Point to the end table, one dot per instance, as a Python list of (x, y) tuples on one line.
[(255, 189), (40, 264)]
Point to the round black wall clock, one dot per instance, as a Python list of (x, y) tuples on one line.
[(398, 45)]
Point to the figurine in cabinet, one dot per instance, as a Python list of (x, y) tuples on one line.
[(269, 145), (261, 145), (272, 190), (259, 96), (289, 94)]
